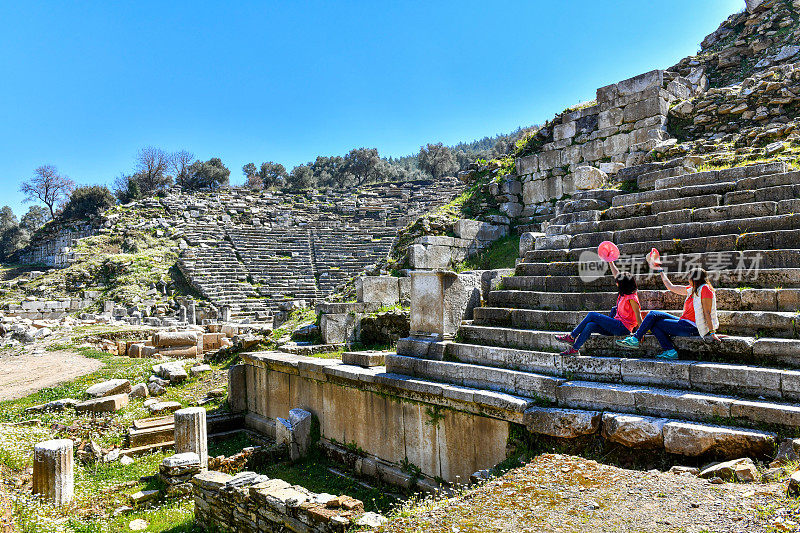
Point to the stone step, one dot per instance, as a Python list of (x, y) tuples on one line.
[(703, 376), (634, 431), (617, 397), (777, 352), (728, 299), (779, 324), (762, 240), (685, 230), (728, 174), (716, 187), (767, 278), (700, 214), (567, 263)]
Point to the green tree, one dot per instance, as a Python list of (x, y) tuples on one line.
[(12, 240), (272, 174), (362, 165), (437, 160), (36, 217), (251, 177), (211, 174), (302, 177), (87, 201), (12, 237)]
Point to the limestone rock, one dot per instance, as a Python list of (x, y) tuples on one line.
[(138, 525), (173, 371), (589, 178), (106, 404), (685, 438), (562, 423), (107, 388), (138, 391), (199, 369), (144, 496), (634, 431), (370, 519), (787, 452), (301, 429), (742, 470), (164, 407), (684, 470), (794, 484), (155, 388)]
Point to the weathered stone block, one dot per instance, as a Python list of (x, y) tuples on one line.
[(339, 328), (550, 159), (610, 118), (564, 131), (634, 431), (587, 177), (655, 105), (383, 290), (527, 165), (108, 388), (440, 300), (107, 404), (561, 423)]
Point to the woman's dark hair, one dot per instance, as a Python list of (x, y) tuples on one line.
[(626, 283), (698, 277)]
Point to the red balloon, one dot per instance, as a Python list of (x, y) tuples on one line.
[(608, 251)]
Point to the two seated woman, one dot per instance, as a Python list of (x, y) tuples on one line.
[(699, 316)]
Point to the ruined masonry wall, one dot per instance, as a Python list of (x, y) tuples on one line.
[(433, 432), (250, 503), (583, 147), (55, 250)]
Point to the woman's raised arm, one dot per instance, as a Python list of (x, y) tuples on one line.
[(614, 269), (677, 289)]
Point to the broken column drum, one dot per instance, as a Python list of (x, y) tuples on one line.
[(191, 434), (53, 474)]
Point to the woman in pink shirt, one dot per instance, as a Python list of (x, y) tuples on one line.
[(699, 316), (623, 319)]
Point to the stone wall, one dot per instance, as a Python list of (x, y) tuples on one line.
[(579, 149), (252, 503), (471, 237), (394, 420), (55, 247)]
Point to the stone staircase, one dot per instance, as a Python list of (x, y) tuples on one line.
[(253, 250), (724, 399)]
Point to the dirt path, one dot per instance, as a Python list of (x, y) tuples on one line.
[(31, 371), (564, 494)]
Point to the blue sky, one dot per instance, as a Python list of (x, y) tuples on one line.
[(86, 84)]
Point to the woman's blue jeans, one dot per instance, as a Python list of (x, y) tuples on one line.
[(663, 326), (597, 323)]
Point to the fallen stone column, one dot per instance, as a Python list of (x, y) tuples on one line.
[(177, 351), (53, 475), (191, 434), (175, 338)]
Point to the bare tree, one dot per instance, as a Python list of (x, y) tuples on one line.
[(48, 187), (179, 163), (152, 166)]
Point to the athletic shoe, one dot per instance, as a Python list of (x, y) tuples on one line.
[(565, 338), (569, 351), (630, 342), (668, 354)]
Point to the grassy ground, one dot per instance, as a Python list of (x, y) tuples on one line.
[(102, 491), (501, 254)]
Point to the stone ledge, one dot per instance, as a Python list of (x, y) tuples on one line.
[(375, 379)]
